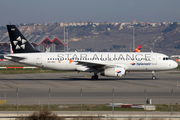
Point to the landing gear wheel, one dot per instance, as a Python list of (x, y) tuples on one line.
[(94, 77), (153, 77)]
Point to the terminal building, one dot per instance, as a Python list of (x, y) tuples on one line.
[(43, 43)]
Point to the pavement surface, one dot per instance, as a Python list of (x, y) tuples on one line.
[(65, 88)]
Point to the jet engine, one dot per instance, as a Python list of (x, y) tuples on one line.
[(114, 72)]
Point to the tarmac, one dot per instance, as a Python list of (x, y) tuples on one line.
[(76, 88)]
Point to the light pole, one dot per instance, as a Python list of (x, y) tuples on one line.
[(67, 41), (133, 39), (64, 36)]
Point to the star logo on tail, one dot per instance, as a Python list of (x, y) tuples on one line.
[(19, 43)]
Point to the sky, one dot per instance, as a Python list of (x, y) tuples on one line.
[(47, 11)]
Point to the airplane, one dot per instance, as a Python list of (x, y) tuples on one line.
[(138, 49), (110, 64), (177, 57)]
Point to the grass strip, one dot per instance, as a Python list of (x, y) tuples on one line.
[(25, 71), (85, 107), (28, 71)]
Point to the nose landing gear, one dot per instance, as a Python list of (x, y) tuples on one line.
[(153, 75)]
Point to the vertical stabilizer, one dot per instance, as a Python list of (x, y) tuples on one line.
[(18, 41)]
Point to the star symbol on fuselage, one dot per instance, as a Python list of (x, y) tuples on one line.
[(19, 43)]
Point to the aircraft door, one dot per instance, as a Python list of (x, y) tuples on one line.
[(153, 59), (39, 60)]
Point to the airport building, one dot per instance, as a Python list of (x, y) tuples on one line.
[(43, 43)]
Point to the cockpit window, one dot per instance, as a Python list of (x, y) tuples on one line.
[(166, 58)]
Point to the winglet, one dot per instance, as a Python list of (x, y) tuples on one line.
[(138, 49)]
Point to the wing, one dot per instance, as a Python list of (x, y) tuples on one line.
[(90, 64), (98, 66)]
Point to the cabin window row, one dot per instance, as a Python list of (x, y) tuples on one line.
[(103, 59)]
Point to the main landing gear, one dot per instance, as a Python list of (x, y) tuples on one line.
[(94, 77), (153, 75)]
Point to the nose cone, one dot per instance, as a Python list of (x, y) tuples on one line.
[(174, 64)]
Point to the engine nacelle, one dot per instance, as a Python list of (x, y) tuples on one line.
[(114, 72)]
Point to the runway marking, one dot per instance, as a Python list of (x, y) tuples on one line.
[(11, 85), (128, 85), (2, 102), (125, 84), (87, 76)]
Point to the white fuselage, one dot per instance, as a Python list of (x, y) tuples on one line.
[(70, 60)]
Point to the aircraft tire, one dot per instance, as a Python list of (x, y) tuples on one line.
[(92, 77), (96, 77), (153, 77)]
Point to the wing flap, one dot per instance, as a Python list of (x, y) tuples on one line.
[(90, 64), (99, 65)]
